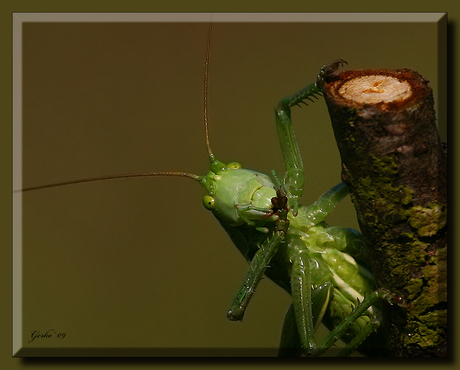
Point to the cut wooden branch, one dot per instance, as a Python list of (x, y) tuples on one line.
[(395, 166)]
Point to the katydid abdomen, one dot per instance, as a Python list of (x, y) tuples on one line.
[(337, 282)]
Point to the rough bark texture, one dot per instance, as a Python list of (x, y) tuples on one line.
[(395, 166)]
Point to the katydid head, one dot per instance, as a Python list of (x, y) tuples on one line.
[(235, 195)]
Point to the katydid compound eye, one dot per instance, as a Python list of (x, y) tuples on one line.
[(234, 165), (208, 202)]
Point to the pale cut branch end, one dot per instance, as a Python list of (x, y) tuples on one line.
[(375, 89)]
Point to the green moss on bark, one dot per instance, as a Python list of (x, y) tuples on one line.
[(428, 220), (381, 195), (395, 167)]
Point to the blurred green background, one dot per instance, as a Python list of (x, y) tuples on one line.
[(139, 263)]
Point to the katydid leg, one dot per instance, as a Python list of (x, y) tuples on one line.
[(301, 291), (358, 339), (295, 177), (304, 302), (326, 203), (257, 267), (340, 329)]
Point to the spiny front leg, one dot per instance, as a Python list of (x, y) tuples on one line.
[(259, 263), (327, 70), (295, 178), (256, 269)]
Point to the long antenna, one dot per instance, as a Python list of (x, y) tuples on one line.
[(206, 83), (151, 174), (101, 178)]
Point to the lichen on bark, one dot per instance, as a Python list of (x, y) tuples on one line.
[(395, 167)]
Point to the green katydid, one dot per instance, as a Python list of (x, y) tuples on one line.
[(307, 247)]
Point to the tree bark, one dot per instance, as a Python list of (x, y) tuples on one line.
[(395, 166)]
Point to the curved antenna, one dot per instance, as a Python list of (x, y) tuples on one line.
[(101, 178), (206, 83), (151, 174)]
